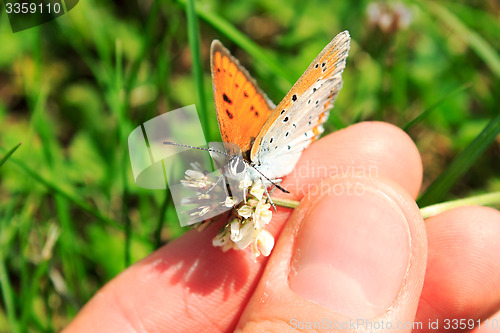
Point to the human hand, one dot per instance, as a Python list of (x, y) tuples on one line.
[(355, 248)]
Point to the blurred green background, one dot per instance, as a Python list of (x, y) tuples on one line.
[(71, 90)]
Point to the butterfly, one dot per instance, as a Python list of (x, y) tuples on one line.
[(272, 138)]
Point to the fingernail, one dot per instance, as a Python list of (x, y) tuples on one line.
[(352, 253)]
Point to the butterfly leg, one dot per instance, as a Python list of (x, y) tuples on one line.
[(268, 196)]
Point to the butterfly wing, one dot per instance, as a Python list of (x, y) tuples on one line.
[(297, 120), (242, 108)]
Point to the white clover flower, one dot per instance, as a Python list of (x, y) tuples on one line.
[(242, 235), (203, 210), (235, 227), (257, 190), (230, 202), (245, 211), (193, 174), (248, 218), (223, 241), (247, 233), (265, 242), (263, 214)]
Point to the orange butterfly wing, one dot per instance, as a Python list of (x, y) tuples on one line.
[(324, 75), (242, 108)]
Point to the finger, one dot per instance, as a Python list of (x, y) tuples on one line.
[(463, 272), (353, 260), (489, 325), (195, 278)]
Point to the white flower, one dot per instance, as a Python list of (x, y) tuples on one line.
[(203, 211), (248, 233), (242, 235), (245, 211), (223, 240), (257, 190), (234, 226), (195, 174), (195, 183), (265, 242), (262, 215), (230, 202)]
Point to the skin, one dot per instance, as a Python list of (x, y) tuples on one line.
[(394, 267)]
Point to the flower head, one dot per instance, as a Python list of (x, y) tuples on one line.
[(245, 211), (250, 214), (230, 202), (263, 214), (257, 190)]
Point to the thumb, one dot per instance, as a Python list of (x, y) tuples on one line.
[(350, 259)]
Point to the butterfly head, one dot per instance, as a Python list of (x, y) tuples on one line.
[(237, 166)]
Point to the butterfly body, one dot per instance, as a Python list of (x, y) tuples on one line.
[(272, 138)]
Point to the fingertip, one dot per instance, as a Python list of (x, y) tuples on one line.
[(371, 266)]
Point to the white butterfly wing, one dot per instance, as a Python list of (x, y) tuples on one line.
[(297, 120)]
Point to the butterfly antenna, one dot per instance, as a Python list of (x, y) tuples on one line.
[(200, 148), (226, 154), (279, 187)]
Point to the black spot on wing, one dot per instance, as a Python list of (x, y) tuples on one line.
[(227, 99)]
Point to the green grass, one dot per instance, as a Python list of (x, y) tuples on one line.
[(71, 216)]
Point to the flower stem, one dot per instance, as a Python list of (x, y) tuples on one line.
[(285, 203), (483, 200)]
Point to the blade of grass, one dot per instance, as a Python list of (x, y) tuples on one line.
[(427, 111), (118, 103), (245, 43), (8, 296), (194, 45), (444, 182), (8, 233), (476, 42), (9, 154), (163, 210)]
